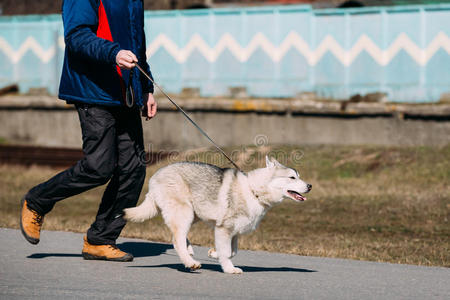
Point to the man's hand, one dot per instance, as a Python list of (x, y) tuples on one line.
[(150, 106), (126, 59)]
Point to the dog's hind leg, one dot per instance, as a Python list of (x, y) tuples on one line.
[(223, 246), (212, 253), (180, 224), (189, 248), (234, 245)]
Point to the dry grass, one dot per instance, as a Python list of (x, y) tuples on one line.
[(368, 203)]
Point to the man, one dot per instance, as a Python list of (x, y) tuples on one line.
[(104, 41)]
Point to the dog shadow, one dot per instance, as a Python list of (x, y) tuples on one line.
[(216, 267), (147, 249), (138, 249)]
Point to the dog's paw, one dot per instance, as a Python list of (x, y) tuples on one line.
[(195, 265), (234, 270), (190, 250), (212, 253)]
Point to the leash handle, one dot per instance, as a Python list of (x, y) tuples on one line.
[(189, 118)]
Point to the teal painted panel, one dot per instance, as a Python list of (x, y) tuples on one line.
[(274, 51), (370, 25)]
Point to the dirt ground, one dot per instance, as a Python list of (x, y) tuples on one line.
[(367, 203)]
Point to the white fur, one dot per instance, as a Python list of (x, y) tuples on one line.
[(234, 203)]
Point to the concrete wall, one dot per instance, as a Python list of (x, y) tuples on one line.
[(275, 51), (238, 122)]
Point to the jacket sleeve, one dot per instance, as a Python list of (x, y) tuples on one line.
[(147, 85), (80, 19)]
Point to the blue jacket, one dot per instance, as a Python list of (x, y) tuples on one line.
[(94, 32)]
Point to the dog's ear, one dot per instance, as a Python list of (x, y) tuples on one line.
[(270, 162), (276, 163)]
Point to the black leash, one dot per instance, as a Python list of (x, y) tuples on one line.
[(189, 118)]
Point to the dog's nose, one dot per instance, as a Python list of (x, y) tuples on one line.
[(309, 186)]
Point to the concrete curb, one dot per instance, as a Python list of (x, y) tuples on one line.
[(262, 105)]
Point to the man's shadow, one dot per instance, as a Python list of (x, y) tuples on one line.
[(138, 249), (44, 255)]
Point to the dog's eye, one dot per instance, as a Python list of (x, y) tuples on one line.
[(292, 177)]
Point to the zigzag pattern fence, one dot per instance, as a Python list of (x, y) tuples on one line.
[(293, 40), (271, 51)]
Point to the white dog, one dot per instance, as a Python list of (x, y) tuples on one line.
[(231, 201)]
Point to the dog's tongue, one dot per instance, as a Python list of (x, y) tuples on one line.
[(297, 196), (300, 197)]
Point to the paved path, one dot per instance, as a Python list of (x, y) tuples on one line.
[(54, 269)]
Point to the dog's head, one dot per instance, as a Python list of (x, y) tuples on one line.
[(285, 182)]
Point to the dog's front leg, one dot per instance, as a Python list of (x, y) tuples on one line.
[(223, 247), (234, 249), (234, 246)]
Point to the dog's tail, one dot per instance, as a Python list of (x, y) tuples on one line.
[(145, 211)]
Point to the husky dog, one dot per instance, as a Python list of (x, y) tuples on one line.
[(231, 201)]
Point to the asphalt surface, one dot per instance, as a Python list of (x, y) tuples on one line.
[(54, 269)]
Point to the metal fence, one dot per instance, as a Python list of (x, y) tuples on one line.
[(276, 51)]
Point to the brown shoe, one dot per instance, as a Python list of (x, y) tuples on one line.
[(104, 252), (30, 223)]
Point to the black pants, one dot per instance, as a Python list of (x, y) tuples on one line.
[(113, 151)]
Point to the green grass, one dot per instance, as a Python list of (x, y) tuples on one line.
[(368, 203)]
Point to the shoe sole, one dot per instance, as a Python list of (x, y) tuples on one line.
[(27, 237), (124, 258)]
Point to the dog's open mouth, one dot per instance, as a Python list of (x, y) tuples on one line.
[(296, 196)]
